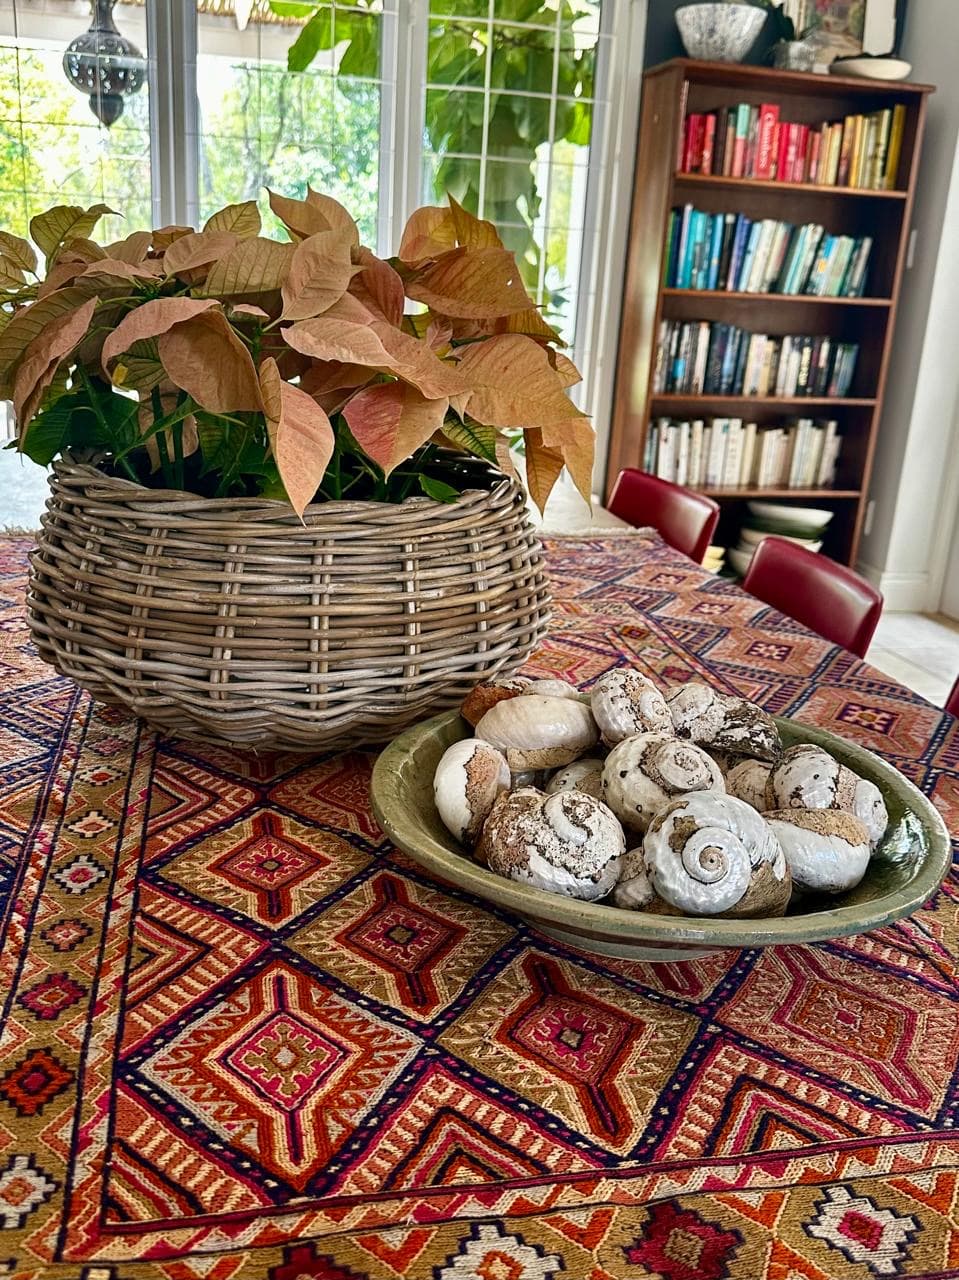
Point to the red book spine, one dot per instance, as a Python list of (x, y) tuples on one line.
[(792, 146), (815, 151), (689, 133), (696, 145), (781, 153), (802, 149), (768, 120), (709, 143)]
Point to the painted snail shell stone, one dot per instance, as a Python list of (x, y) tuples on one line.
[(808, 777), (584, 775), (723, 723), (625, 702), (483, 696), (870, 808), (747, 779), (537, 732), (556, 689), (633, 891), (567, 843), (643, 772), (710, 854), (468, 779), (827, 850)]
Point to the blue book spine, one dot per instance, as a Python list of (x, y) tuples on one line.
[(730, 356), (719, 225), (683, 244), (697, 236), (739, 244), (798, 255), (754, 234)]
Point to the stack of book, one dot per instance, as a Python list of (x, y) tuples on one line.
[(700, 357), (730, 251), (747, 141), (713, 559), (720, 453)]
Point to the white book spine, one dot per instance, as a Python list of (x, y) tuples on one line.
[(733, 451), (695, 453), (682, 457), (717, 453), (749, 451)]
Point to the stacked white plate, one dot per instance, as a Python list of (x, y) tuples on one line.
[(803, 525)]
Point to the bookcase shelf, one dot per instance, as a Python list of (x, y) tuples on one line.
[(752, 491), (685, 86), (731, 295), (740, 185), (732, 404)]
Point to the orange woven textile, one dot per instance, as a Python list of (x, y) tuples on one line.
[(243, 1037)]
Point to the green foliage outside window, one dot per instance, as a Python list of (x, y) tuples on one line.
[(521, 65)]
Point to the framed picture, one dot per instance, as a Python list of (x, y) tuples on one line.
[(848, 27)]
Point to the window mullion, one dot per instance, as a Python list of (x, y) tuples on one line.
[(405, 31), (609, 191), (174, 134)]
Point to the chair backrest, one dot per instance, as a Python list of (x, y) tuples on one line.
[(686, 520), (827, 597), (952, 702)]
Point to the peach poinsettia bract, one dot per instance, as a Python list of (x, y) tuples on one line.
[(227, 362)]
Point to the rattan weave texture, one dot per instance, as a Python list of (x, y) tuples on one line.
[(229, 621)]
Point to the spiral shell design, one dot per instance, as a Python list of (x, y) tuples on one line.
[(723, 722), (708, 854), (643, 772), (625, 702), (808, 777)]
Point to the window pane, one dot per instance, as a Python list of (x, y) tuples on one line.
[(53, 148), (509, 117), (262, 125)]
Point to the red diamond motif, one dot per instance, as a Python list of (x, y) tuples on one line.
[(269, 864), (298, 1081)]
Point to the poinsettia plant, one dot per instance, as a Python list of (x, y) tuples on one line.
[(228, 363)]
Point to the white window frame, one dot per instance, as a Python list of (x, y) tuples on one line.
[(172, 35)]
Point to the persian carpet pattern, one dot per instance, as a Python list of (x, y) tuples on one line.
[(242, 1037)]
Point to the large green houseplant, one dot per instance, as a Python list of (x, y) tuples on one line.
[(259, 375)]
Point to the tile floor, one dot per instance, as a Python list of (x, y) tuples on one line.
[(921, 652)]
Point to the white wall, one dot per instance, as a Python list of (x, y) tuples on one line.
[(915, 486)]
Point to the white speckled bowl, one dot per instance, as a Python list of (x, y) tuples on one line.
[(719, 32)]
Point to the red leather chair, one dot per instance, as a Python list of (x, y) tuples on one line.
[(952, 702), (686, 520), (826, 597)]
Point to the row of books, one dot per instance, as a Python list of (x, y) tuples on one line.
[(731, 252), (747, 141), (700, 357), (727, 452)]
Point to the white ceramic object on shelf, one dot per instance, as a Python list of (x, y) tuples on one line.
[(738, 559), (872, 68), (719, 32), (753, 537), (799, 520)]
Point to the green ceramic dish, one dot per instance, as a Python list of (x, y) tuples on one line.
[(905, 871)]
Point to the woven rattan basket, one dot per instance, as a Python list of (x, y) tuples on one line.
[(227, 620)]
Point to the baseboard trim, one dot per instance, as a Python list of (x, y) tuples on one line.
[(902, 592)]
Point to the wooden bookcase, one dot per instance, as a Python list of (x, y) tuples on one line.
[(681, 86)]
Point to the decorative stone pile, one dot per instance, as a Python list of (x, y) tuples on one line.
[(678, 802)]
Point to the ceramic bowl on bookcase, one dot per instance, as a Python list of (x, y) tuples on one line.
[(738, 559), (872, 68), (779, 518), (719, 32), (752, 536)]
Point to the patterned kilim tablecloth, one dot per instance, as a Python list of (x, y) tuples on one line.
[(244, 1038)]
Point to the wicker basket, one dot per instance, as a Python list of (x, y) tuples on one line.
[(227, 620)]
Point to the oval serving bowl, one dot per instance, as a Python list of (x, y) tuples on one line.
[(905, 871)]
